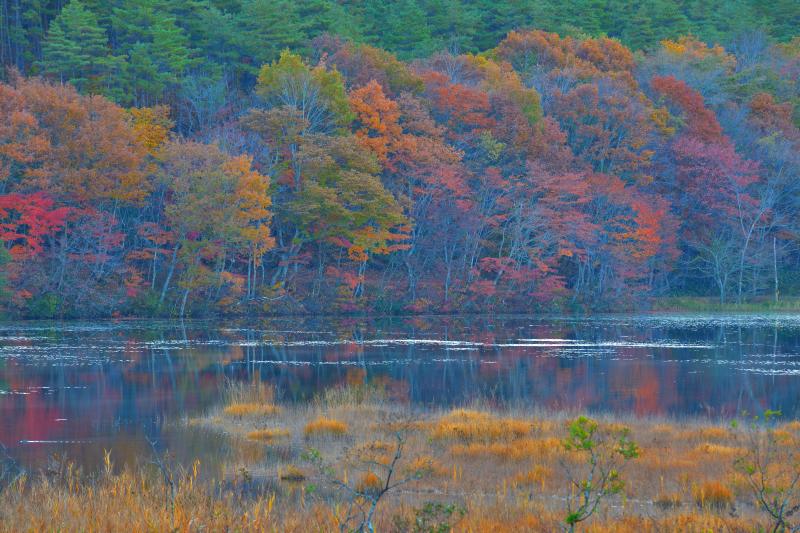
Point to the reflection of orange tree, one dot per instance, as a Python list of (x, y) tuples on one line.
[(647, 392)]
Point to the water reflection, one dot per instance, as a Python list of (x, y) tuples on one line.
[(80, 388)]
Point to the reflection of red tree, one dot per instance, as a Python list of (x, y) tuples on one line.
[(647, 389), (39, 419), (355, 377), (28, 416), (346, 351)]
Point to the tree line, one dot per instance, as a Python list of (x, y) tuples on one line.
[(547, 171), (191, 53)]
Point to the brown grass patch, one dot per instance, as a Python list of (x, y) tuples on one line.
[(718, 450), (427, 466), (369, 483), (291, 473), (705, 433), (668, 500), (713, 495), (515, 450), (251, 409), (477, 426), (268, 435), (793, 426), (322, 426), (535, 477)]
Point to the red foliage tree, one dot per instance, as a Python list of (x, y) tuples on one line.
[(26, 220)]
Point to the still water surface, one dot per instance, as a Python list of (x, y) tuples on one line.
[(78, 388)]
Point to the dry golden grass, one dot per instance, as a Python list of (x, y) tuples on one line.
[(668, 500), (291, 473), (515, 459), (793, 426), (718, 450), (515, 450), (268, 435), (426, 465), (255, 392), (713, 495), (476, 426), (241, 410), (505, 469), (369, 483), (535, 477), (137, 501), (325, 426), (709, 433)]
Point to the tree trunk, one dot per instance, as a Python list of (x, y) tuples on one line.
[(169, 274), (741, 263), (775, 266), (249, 290), (183, 302)]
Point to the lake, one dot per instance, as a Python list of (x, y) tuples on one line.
[(77, 388)]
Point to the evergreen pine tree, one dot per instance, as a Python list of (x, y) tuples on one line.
[(585, 15), (452, 24), (76, 50), (321, 16), (783, 17), (265, 27), (402, 27), (496, 19), (158, 51), (638, 31), (667, 20)]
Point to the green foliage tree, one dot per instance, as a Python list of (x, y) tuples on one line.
[(23, 28), (400, 26), (771, 467), (454, 25), (159, 40), (324, 16), (604, 452), (158, 51), (317, 93), (76, 50), (362, 497), (638, 28), (264, 28), (782, 17), (218, 208), (668, 20)]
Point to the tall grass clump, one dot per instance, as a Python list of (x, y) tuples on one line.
[(477, 426), (268, 435), (249, 400), (352, 395), (325, 426), (255, 391)]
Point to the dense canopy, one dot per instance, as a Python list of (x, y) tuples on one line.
[(210, 156)]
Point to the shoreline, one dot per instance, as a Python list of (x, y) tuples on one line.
[(663, 309)]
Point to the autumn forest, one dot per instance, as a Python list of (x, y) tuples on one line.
[(210, 157)]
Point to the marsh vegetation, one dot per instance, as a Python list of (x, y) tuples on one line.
[(355, 460)]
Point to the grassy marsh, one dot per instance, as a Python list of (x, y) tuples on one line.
[(317, 466)]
